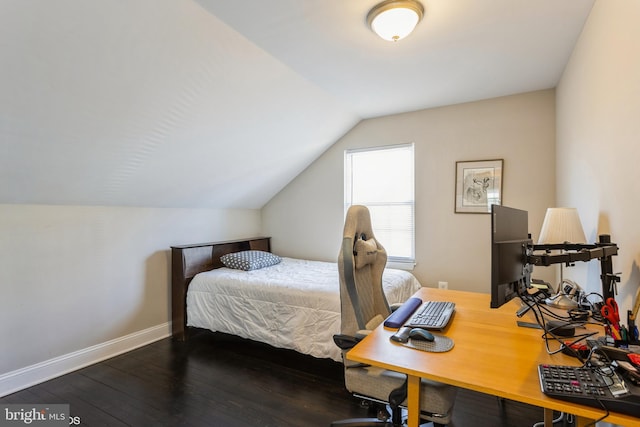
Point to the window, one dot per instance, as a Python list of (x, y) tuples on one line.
[(382, 179)]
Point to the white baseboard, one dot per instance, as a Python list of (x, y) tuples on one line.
[(20, 379)]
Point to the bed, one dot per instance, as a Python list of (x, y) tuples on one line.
[(294, 304)]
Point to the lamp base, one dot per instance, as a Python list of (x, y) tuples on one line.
[(562, 302)]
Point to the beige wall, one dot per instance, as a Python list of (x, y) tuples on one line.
[(598, 103), (77, 276), (306, 218)]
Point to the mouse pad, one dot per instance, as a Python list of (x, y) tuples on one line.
[(440, 344)]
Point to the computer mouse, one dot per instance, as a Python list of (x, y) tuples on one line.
[(421, 334)]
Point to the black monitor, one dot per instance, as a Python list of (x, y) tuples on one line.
[(510, 243)]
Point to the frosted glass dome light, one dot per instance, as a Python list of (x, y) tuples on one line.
[(393, 20)]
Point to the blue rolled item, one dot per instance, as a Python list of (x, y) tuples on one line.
[(403, 313)]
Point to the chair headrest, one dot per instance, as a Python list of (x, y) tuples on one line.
[(358, 222), (358, 227), (365, 252)]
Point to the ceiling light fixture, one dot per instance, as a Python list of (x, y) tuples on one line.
[(395, 19)]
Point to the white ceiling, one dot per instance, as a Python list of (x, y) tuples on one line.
[(212, 103)]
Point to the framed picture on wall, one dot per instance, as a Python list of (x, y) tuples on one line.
[(478, 185)]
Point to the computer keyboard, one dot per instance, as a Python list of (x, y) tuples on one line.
[(432, 315), (598, 388)]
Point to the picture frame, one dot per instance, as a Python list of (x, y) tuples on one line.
[(478, 185)]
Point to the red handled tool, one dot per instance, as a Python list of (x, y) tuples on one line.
[(610, 312)]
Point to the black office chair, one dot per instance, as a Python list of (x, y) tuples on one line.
[(364, 306)]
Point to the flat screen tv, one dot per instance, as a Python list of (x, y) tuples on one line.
[(510, 243)]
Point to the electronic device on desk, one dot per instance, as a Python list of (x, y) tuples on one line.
[(600, 388), (513, 256), (510, 239), (432, 315)]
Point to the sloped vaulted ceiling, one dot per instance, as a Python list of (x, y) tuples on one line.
[(211, 103)]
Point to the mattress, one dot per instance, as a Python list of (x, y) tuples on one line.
[(294, 304)]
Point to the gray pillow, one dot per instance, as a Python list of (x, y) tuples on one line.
[(249, 260)]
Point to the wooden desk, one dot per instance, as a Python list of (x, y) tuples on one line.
[(491, 355)]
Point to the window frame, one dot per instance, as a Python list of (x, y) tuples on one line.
[(397, 261)]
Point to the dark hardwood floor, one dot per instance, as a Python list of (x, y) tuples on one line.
[(218, 380)]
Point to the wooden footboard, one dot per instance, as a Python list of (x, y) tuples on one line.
[(189, 260)]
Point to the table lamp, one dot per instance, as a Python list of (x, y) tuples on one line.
[(561, 225)]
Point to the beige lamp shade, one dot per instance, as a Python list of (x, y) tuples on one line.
[(561, 225)]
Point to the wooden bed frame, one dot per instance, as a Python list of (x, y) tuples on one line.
[(189, 260)]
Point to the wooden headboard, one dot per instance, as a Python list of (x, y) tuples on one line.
[(189, 260)]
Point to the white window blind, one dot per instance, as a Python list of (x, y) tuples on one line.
[(383, 180)]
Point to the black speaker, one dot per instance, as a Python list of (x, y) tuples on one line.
[(560, 328)]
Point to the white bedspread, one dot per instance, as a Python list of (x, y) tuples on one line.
[(294, 304)]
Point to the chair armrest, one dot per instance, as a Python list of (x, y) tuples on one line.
[(345, 342), (362, 333)]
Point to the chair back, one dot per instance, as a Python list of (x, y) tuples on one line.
[(361, 262)]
